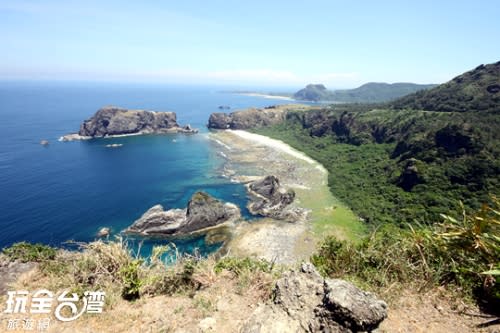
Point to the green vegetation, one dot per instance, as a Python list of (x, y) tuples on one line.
[(110, 266), (26, 252), (476, 90), (372, 92), (456, 252), (241, 265), (399, 166)]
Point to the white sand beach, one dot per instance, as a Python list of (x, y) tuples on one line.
[(286, 98), (277, 145), (250, 156)]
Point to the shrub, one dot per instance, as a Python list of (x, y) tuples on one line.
[(462, 252), (26, 252)]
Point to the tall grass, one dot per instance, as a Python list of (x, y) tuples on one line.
[(463, 254)]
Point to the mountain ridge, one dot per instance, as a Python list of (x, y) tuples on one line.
[(370, 92), (477, 89)]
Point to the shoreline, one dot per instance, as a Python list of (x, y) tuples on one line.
[(278, 145), (286, 98), (249, 156), (76, 137)]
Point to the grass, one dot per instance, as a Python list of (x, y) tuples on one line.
[(329, 215), (110, 266), (457, 253)]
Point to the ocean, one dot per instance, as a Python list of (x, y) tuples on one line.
[(67, 191)]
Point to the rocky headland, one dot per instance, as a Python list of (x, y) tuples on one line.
[(202, 212), (252, 118), (115, 121)]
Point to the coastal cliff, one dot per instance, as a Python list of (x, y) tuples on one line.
[(111, 120), (252, 118)]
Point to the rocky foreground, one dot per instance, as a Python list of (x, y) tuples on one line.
[(116, 121), (306, 302)]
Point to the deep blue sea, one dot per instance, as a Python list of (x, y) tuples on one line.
[(69, 190)]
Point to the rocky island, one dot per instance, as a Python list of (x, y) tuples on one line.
[(202, 212), (116, 121)]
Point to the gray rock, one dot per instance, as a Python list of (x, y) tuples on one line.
[(305, 302), (113, 120), (203, 211), (359, 310), (219, 120), (269, 198)]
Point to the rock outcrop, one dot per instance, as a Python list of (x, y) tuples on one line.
[(305, 302), (202, 212), (268, 198), (111, 120), (250, 118)]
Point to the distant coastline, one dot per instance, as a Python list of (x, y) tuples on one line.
[(287, 96), (256, 94)]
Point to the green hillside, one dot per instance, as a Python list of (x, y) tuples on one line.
[(372, 92), (476, 90), (398, 166)]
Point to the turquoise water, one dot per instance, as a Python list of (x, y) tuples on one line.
[(68, 190)]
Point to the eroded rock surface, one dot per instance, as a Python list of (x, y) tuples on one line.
[(268, 198), (203, 211), (305, 302), (111, 120)]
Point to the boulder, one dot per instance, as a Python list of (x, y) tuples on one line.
[(103, 232), (268, 198), (305, 302), (203, 212)]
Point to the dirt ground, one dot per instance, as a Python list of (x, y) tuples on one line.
[(435, 312), (228, 302)]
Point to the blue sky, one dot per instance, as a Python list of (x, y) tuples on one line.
[(272, 43)]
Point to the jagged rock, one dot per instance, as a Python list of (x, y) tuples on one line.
[(113, 120), (352, 307), (103, 232), (203, 211), (305, 302), (269, 198)]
